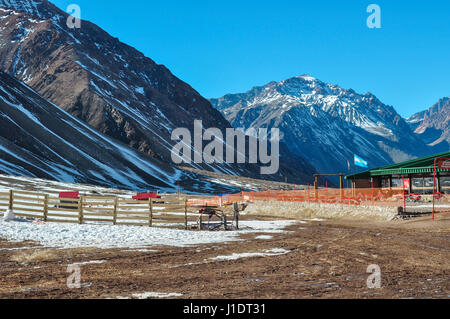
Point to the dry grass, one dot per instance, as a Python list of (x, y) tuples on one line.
[(35, 255), (39, 254)]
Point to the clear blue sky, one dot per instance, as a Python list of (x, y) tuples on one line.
[(221, 47)]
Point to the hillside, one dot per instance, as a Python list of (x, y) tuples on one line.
[(433, 125)]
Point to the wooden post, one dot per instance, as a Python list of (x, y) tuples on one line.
[(185, 214), (11, 199), (438, 183), (45, 207), (373, 193), (404, 194), (115, 212), (224, 220), (353, 188), (80, 210), (316, 188), (411, 183), (236, 214), (434, 182), (341, 186), (150, 217)]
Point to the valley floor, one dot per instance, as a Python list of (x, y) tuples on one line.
[(312, 259)]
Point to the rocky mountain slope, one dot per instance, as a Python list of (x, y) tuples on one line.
[(433, 125), (39, 139), (325, 123), (109, 85)]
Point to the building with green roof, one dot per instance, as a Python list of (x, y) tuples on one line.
[(419, 171)]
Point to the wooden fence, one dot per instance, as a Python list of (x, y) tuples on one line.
[(98, 209)]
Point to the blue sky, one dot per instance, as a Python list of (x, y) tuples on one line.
[(221, 47)]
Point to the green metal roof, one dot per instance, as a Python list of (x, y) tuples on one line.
[(416, 166)]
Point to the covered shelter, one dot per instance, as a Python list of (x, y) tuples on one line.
[(418, 173)]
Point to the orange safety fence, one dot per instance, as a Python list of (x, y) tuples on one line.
[(210, 202), (347, 196)]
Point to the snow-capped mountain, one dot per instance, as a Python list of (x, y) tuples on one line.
[(106, 83), (433, 125), (325, 123), (109, 85), (39, 139)]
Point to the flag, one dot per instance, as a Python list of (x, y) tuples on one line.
[(360, 162)]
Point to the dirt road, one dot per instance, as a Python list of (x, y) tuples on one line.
[(325, 259)]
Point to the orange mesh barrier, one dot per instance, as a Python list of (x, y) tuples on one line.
[(347, 196)]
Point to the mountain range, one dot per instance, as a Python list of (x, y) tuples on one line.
[(111, 86), (327, 124), (62, 89), (433, 125), (39, 139)]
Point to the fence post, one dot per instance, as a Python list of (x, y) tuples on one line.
[(371, 185), (185, 214), (115, 211), (45, 207), (11, 199), (236, 214), (80, 210), (150, 216)]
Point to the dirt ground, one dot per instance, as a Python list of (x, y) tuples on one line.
[(326, 259)]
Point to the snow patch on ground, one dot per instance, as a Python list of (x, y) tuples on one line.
[(274, 226), (264, 237), (95, 262), (264, 253), (148, 295), (117, 236), (9, 216)]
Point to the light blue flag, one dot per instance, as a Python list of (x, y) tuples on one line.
[(360, 162)]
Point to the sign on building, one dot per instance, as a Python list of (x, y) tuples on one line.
[(444, 164)]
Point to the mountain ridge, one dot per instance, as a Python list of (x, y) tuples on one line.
[(325, 123), (110, 85), (432, 126), (38, 139)]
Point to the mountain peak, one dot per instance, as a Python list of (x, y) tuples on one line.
[(307, 77), (325, 123), (28, 6), (108, 84)]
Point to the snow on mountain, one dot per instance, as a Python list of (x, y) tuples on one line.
[(109, 85), (325, 123), (433, 125), (39, 139)]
